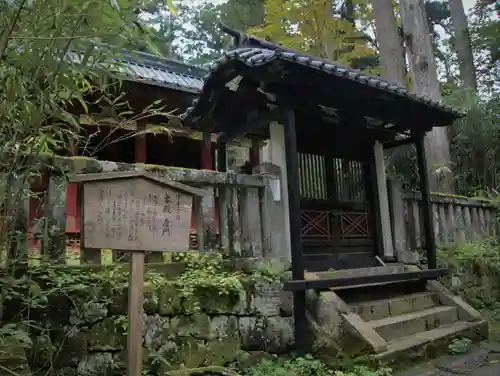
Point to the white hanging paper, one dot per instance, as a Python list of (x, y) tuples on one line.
[(275, 189)]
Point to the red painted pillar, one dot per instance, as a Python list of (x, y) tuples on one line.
[(207, 160), (255, 154), (73, 250), (207, 163)]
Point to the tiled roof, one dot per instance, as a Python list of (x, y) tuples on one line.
[(159, 71), (264, 51), (163, 72), (254, 57)]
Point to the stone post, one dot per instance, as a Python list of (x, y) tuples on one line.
[(398, 223), (273, 215), (383, 202)]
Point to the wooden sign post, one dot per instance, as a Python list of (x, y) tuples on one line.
[(135, 211)]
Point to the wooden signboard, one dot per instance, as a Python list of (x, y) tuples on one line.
[(136, 215), (135, 211)]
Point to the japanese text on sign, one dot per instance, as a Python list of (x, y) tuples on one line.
[(136, 214)]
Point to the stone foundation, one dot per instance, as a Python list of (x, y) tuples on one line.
[(89, 338)]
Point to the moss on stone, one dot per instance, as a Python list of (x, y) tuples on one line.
[(200, 325), (169, 300), (183, 352), (222, 351), (107, 335), (150, 304), (42, 351), (201, 371)]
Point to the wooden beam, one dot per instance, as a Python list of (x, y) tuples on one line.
[(369, 104), (131, 125), (328, 283), (249, 125), (397, 143)]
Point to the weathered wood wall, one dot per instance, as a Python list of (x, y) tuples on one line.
[(455, 218), (251, 220)]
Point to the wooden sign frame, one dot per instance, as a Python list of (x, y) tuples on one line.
[(136, 273)]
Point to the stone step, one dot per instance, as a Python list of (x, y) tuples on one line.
[(407, 324), (374, 270), (382, 308), (430, 343)]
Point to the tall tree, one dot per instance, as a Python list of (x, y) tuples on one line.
[(391, 49), (485, 35), (463, 45), (317, 27), (424, 78)]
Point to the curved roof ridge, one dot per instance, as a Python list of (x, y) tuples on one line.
[(247, 56)]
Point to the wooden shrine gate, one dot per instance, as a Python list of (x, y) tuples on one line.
[(336, 225)]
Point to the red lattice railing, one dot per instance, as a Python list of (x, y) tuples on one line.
[(317, 224)]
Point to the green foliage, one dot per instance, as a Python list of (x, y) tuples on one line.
[(31, 301), (35, 296), (308, 366), (318, 28), (485, 37), (475, 149), (476, 265), (206, 278), (459, 346), (193, 34), (58, 59)]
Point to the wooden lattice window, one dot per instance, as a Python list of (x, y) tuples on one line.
[(312, 176), (350, 180)]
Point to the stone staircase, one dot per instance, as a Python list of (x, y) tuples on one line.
[(396, 320)]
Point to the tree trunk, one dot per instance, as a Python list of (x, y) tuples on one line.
[(425, 82), (463, 45), (389, 41)]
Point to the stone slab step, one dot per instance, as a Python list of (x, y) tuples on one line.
[(407, 324), (382, 308), (375, 270), (428, 343)]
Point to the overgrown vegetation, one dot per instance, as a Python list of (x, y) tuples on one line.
[(308, 366), (37, 299), (59, 59), (34, 300), (475, 266)]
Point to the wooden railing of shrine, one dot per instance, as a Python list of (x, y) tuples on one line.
[(455, 218), (244, 216)]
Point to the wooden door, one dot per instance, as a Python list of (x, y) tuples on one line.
[(335, 231)]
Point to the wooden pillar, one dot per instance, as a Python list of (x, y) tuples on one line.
[(292, 169), (207, 152), (430, 241), (383, 200), (333, 195), (254, 154), (221, 156), (375, 220)]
